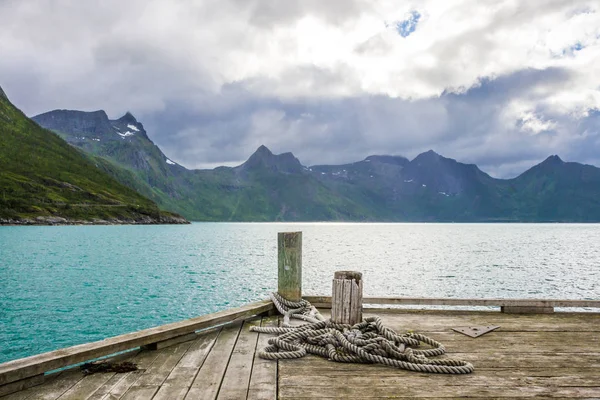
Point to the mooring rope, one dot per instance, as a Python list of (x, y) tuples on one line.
[(368, 341)]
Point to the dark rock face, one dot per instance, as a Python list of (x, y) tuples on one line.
[(77, 123), (123, 140), (393, 160), (263, 158), (80, 127), (441, 174)]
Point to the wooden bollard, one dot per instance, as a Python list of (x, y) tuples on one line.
[(346, 299), (289, 257)]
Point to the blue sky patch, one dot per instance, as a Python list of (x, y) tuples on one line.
[(408, 26), (578, 46)]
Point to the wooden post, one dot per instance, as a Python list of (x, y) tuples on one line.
[(346, 299), (289, 258)]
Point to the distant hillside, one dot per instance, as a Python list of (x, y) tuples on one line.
[(269, 187), (122, 148), (43, 180)]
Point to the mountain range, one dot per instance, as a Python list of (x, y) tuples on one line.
[(44, 180), (270, 187)]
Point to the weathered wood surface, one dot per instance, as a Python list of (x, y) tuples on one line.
[(289, 265), (236, 380), (207, 383), (27, 367), (263, 381), (325, 302), (541, 356), (346, 299)]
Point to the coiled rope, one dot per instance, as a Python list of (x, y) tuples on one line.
[(368, 341)]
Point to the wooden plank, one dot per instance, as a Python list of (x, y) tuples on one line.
[(103, 389), (326, 301), (170, 342), (263, 381), (432, 321), (567, 338), (171, 393), (140, 393), (149, 381), (94, 386), (186, 370), (208, 381), (345, 391), (428, 398), (54, 387), (410, 379), (27, 367), (163, 365), (117, 387), (374, 372), (86, 387), (180, 379), (289, 265), (22, 384), (237, 376)]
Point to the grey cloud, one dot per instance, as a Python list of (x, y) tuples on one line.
[(465, 126), (266, 13), (86, 58)]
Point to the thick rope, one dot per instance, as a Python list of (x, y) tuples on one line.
[(368, 341)]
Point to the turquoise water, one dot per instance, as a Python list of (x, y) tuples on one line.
[(61, 286)]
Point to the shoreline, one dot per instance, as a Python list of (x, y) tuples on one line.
[(61, 221)]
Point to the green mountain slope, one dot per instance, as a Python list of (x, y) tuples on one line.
[(45, 180), (555, 190), (122, 148)]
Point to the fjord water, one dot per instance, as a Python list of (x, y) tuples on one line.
[(61, 286)]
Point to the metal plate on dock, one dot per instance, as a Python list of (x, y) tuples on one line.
[(475, 331)]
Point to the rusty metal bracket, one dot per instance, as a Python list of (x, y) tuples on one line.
[(475, 331)]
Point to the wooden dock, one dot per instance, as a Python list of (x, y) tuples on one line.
[(542, 356)]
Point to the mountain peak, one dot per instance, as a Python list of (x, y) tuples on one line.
[(263, 158), (429, 155), (263, 150), (553, 159), (2, 94), (128, 117)]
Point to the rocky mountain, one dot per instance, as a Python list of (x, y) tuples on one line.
[(44, 180), (263, 159), (122, 148), (270, 187)]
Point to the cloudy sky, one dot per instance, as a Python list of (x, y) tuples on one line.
[(502, 84)]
